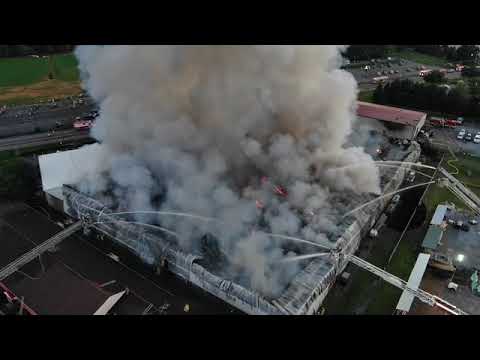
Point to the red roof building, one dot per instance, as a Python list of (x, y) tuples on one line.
[(413, 120)]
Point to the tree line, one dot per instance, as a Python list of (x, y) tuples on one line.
[(462, 100), (463, 53), (25, 50), (17, 179)]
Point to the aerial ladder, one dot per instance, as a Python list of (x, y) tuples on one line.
[(39, 250), (422, 295), (459, 190), (464, 194)]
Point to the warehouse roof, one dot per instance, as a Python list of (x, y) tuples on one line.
[(439, 215), (58, 291), (433, 237), (391, 114)]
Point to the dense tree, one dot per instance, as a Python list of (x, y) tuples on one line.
[(435, 77), (443, 51), (365, 52), (471, 72), (458, 101), (16, 179), (467, 52), (24, 50), (474, 87)]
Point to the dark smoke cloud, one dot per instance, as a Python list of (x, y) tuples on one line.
[(200, 125)]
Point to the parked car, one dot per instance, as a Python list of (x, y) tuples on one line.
[(460, 136), (396, 199), (391, 208), (469, 137), (411, 177), (476, 140)]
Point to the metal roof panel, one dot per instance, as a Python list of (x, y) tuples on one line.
[(433, 237), (414, 281), (391, 114), (439, 215)]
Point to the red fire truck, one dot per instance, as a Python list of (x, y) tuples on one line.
[(80, 124), (442, 122), (85, 122)]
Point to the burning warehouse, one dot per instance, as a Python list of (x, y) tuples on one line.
[(227, 164)]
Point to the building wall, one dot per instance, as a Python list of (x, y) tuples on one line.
[(350, 240), (420, 125), (54, 202), (404, 131), (152, 249)]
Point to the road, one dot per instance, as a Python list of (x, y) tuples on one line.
[(23, 120), (408, 70), (367, 85), (43, 139)]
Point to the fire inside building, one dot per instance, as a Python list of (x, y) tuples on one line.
[(156, 247)]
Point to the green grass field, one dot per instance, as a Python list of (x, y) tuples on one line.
[(22, 71), (420, 58), (66, 68), (468, 172), (26, 80), (402, 263), (27, 70)]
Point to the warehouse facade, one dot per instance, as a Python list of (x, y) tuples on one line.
[(400, 123)]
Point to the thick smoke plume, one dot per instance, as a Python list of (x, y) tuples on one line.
[(199, 126)]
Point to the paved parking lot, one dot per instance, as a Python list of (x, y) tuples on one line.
[(449, 137)]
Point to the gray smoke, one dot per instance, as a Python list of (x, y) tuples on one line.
[(200, 125)]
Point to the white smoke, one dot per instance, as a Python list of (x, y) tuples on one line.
[(200, 125)]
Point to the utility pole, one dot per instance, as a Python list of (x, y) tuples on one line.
[(51, 66)]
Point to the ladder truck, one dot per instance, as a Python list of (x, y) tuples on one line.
[(39, 250), (464, 194), (420, 294)]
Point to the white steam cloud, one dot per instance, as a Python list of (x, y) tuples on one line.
[(198, 126)]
